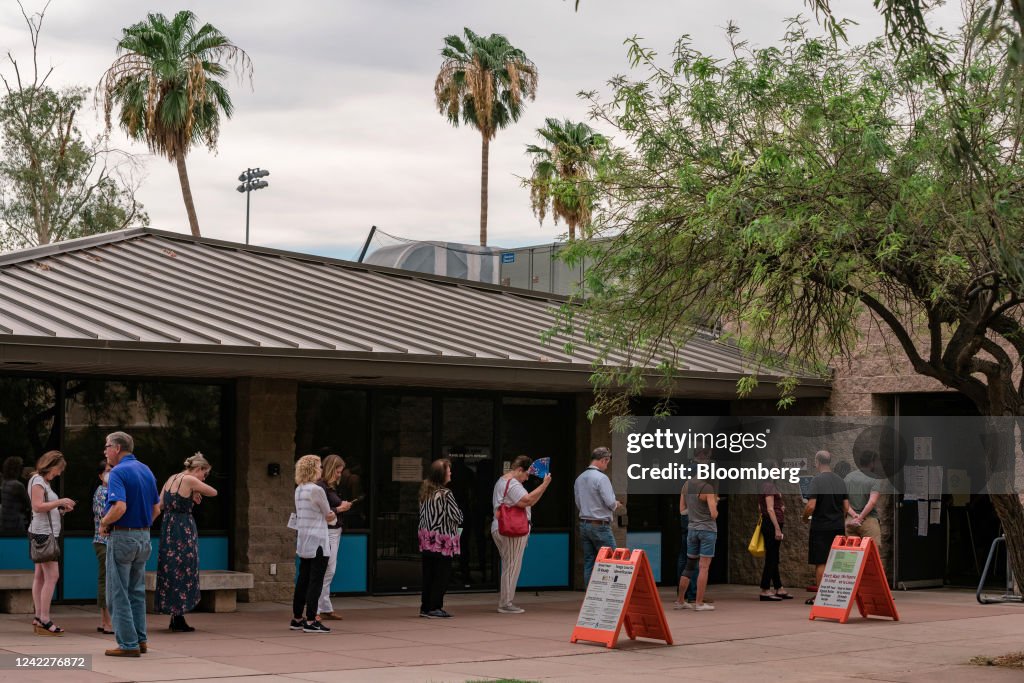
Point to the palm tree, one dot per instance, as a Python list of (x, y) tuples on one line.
[(562, 173), (483, 82), (167, 82)]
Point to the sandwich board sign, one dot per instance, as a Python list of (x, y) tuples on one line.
[(621, 593), (853, 574)]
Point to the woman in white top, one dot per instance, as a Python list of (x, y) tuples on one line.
[(509, 490), (313, 545), (47, 508)]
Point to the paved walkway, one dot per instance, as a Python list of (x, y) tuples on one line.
[(382, 639)]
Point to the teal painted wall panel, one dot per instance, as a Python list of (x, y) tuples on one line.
[(14, 553), (650, 543), (546, 561)]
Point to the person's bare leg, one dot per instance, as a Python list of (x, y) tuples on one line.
[(819, 571), (684, 583), (702, 579)]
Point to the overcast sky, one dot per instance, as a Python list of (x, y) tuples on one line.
[(341, 107)]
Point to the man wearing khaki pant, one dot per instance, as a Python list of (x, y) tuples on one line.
[(864, 486)]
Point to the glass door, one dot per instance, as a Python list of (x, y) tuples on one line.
[(403, 428)]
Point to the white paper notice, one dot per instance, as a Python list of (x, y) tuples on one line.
[(935, 512), (915, 483), (840, 577), (922, 448), (922, 518), (606, 596), (935, 482)]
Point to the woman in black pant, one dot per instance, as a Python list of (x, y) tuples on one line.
[(440, 519), (313, 545), (773, 516)]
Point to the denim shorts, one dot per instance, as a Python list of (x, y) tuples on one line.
[(701, 543)]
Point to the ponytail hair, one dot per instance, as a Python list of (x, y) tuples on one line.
[(197, 461)]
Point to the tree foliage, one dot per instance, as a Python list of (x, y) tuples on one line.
[(794, 189), (167, 83), (484, 82), (562, 171), (56, 183)]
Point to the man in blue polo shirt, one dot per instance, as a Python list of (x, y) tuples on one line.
[(132, 503)]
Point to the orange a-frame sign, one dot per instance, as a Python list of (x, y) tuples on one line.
[(621, 591), (853, 572)]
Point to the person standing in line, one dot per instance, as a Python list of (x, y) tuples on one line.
[(827, 509), (132, 503), (47, 508), (99, 546), (700, 499), (177, 568), (15, 505), (440, 519), (596, 502), (509, 490), (332, 468), (773, 518), (864, 486), (312, 544)]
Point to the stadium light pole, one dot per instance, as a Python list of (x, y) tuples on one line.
[(250, 179)]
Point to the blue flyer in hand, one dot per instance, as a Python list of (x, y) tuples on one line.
[(541, 467)]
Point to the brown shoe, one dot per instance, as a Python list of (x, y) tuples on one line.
[(334, 616), (143, 647), (118, 652)]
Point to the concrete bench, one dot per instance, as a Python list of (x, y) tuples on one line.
[(16, 591), (217, 589)]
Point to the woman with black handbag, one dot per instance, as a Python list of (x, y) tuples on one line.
[(511, 526), (43, 531)]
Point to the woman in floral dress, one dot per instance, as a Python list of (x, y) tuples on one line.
[(440, 519), (177, 577)]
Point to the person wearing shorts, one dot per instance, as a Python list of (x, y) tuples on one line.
[(701, 503)]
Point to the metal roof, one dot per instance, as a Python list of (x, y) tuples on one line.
[(148, 290)]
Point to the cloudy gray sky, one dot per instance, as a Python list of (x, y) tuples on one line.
[(341, 108)]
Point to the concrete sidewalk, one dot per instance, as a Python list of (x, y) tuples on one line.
[(382, 639)]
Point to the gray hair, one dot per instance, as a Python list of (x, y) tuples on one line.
[(823, 458), (601, 452), (123, 441)]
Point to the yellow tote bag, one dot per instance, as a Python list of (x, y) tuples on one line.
[(756, 545)]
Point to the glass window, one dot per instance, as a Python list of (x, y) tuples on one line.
[(169, 421), (543, 428), (28, 428), (335, 421)]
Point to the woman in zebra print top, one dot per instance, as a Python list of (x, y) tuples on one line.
[(440, 519)]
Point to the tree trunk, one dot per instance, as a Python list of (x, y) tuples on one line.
[(186, 194), (484, 151), (1011, 514)]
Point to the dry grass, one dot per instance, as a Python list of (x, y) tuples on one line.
[(1014, 660)]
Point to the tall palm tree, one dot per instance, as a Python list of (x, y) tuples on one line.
[(168, 83), (483, 82), (562, 173)]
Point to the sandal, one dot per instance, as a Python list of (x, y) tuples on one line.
[(809, 601), (47, 629), (784, 596)]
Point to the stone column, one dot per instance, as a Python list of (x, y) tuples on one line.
[(265, 425)]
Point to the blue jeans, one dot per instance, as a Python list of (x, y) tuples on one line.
[(127, 552), (691, 591), (594, 537)]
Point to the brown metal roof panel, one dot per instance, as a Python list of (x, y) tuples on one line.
[(47, 304), (272, 308), (195, 313), (390, 318)]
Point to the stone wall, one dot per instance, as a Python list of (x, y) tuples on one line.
[(265, 434)]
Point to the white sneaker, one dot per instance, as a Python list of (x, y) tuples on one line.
[(703, 607), (510, 609), (682, 605)]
